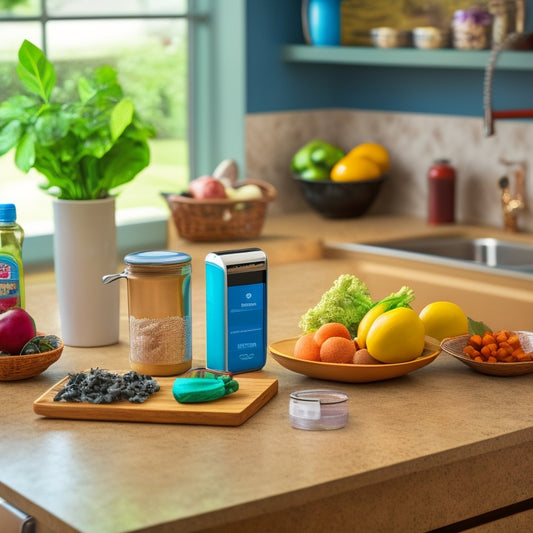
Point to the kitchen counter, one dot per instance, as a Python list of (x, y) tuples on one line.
[(439, 446)]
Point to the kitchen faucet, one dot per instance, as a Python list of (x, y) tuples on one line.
[(489, 114), (513, 203)]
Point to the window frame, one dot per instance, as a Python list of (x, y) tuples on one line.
[(216, 111)]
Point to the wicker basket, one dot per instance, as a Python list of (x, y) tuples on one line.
[(220, 219), (15, 367)]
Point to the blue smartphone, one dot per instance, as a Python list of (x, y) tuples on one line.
[(236, 309)]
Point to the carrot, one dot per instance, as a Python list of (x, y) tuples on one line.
[(488, 339), (502, 336), (476, 341), (471, 351), (514, 340), (503, 346)]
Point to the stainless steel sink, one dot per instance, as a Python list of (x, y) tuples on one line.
[(486, 252)]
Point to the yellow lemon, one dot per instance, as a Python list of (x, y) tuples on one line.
[(396, 336), (366, 323), (355, 169), (375, 152), (444, 319)]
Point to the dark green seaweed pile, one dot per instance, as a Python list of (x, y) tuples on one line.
[(100, 386)]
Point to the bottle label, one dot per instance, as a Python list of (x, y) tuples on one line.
[(9, 283)]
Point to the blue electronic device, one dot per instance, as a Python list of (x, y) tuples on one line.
[(236, 310)]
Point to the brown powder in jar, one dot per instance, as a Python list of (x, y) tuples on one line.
[(159, 340)]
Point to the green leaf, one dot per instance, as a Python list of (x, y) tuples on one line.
[(19, 107), (9, 136), (477, 328), (121, 117), (35, 71), (124, 161), (25, 153)]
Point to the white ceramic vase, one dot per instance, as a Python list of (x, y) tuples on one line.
[(85, 249)]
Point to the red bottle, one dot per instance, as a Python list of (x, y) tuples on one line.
[(441, 177)]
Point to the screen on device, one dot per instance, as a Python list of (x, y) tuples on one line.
[(246, 317)]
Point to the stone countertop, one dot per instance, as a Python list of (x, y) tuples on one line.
[(437, 446)]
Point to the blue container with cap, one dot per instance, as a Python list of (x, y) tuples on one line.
[(159, 307)]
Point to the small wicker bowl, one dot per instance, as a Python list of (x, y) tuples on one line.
[(220, 219), (454, 346), (15, 367)]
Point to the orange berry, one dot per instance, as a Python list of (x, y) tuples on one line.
[(307, 348), (337, 350), (332, 329)]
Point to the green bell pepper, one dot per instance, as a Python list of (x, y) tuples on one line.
[(315, 160)]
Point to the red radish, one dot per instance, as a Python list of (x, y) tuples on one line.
[(17, 327)]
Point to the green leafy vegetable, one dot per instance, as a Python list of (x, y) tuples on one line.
[(85, 149), (347, 302), (477, 328), (402, 298)]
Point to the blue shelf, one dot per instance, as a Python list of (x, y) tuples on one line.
[(406, 57)]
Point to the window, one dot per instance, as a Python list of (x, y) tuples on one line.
[(183, 63), (147, 42)]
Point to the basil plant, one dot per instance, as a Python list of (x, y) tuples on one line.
[(84, 149)]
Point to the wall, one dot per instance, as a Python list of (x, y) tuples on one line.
[(273, 85), (418, 114), (413, 140)]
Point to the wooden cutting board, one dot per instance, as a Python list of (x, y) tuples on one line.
[(161, 407)]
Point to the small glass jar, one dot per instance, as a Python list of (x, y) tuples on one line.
[(471, 28), (159, 306), (318, 409)]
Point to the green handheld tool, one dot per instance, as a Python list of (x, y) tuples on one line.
[(203, 385)]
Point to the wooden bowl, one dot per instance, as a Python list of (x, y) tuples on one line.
[(454, 346), (16, 367)]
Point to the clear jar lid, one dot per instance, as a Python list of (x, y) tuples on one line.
[(157, 263), (158, 258)]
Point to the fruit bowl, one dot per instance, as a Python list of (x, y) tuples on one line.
[(283, 352), (341, 199), (16, 367), (220, 219), (455, 345)]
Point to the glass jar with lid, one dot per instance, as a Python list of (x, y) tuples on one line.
[(159, 308)]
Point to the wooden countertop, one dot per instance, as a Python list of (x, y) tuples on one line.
[(437, 446)]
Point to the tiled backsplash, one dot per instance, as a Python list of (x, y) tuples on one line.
[(413, 141)]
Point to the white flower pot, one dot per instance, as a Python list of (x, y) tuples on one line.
[(85, 249)]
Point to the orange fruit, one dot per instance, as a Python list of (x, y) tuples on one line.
[(332, 329), (374, 152), (357, 168), (337, 350), (306, 348)]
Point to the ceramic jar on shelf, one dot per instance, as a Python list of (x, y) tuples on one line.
[(471, 28), (321, 22)]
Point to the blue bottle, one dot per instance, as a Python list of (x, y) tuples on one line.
[(11, 268)]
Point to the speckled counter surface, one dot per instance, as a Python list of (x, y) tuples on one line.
[(435, 447)]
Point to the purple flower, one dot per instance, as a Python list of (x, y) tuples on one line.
[(476, 15)]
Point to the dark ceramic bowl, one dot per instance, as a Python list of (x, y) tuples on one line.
[(336, 199)]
